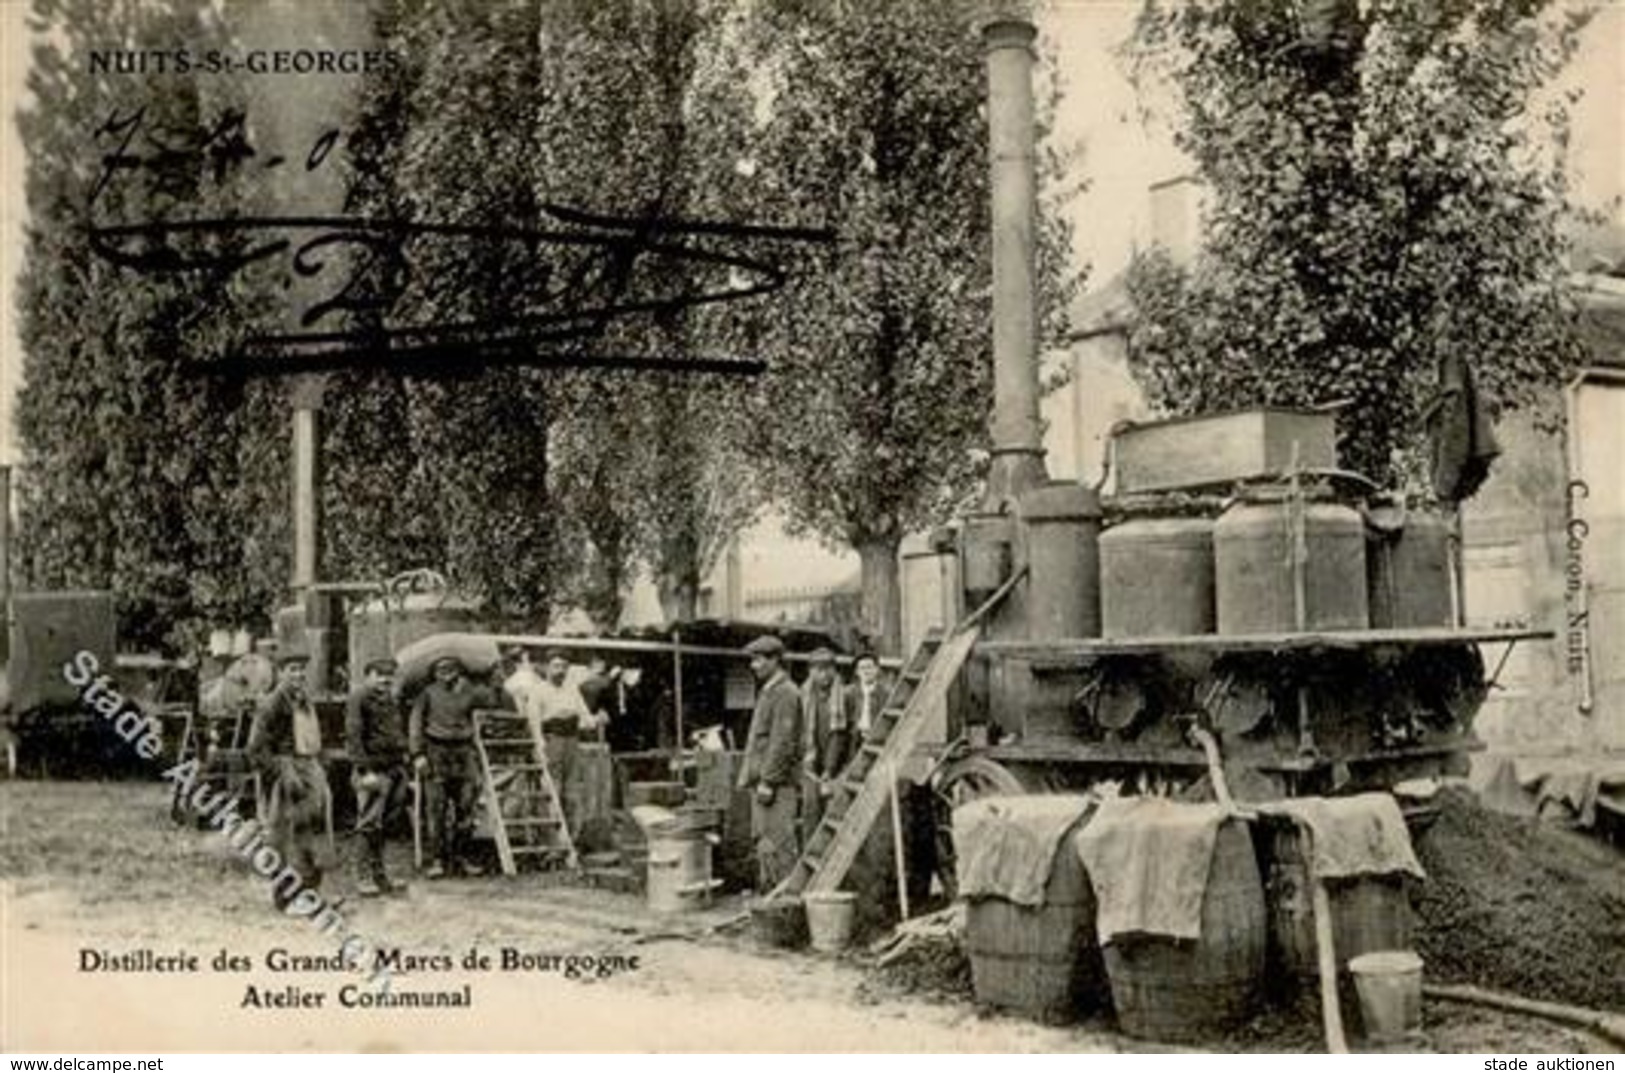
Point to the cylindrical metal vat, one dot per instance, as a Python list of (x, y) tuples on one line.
[(1283, 564), (368, 635), (1409, 572), (1156, 577), (984, 555), (679, 876), (1063, 560), (288, 627)]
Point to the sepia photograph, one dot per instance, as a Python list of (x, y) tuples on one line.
[(813, 526)]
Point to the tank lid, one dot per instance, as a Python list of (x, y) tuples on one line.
[(1059, 501)]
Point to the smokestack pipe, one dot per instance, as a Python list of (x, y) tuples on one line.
[(1018, 452), (5, 562), (306, 397)]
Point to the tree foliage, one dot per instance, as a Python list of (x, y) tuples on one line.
[(1387, 188), (109, 494), (532, 485), (868, 425)]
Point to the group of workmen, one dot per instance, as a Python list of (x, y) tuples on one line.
[(801, 738), (433, 746)]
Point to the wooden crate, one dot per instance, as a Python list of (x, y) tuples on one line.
[(1193, 452)]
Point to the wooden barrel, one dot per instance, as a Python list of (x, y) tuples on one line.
[(1042, 961), (1182, 990), (1369, 914)]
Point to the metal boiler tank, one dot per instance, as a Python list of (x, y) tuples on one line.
[(1286, 560), (1157, 577), (1062, 522)]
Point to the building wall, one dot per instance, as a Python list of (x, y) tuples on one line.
[(1543, 550), (1513, 561), (1079, 415)]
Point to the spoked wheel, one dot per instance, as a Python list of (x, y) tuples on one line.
[(968, 779)]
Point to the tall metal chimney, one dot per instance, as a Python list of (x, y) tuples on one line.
[(5, 562), (306, 399), (305, 395), (1018, 452)]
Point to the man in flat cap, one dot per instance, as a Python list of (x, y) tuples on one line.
[(772, 764), (823, 735), (376, 741), (441, 737), (285, 744)]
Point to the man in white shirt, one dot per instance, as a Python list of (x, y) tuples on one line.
[(864, 698), (522, 682), (556, 709)]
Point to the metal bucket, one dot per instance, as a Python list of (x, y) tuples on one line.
[(1389, 983), (679, 875), (779, 923), (829, 919)]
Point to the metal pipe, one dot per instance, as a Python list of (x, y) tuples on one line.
[(306, 400), (610, 644), (677, 683), (1018, 453), (5, 562)]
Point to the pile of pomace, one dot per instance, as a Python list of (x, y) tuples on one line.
[(1520, 905)]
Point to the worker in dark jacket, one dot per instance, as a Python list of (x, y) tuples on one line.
[(376, 741), (441, 737), (823, 736), (285, 744), (772, 764)]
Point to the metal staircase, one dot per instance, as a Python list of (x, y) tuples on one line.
[(521, 798)]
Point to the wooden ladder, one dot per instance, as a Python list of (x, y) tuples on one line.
[(520, 795), (864, 787)]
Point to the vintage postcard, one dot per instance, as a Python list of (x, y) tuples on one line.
[(812, 526)]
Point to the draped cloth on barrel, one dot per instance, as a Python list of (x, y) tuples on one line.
[(1148, 860), (1362, 835), (1006, 846)]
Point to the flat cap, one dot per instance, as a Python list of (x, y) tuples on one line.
[(291, 656), (820, 655), (444, 660), (766, 646), (381, 665)]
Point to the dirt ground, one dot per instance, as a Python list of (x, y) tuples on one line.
[(99, 866)]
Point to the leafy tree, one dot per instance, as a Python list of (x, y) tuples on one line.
[(648, 112), (1387, 190), (868, 424), (132, 465), (538, 485)]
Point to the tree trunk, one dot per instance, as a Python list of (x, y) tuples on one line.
[(882, 595), (679, 598), (678, 576)]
